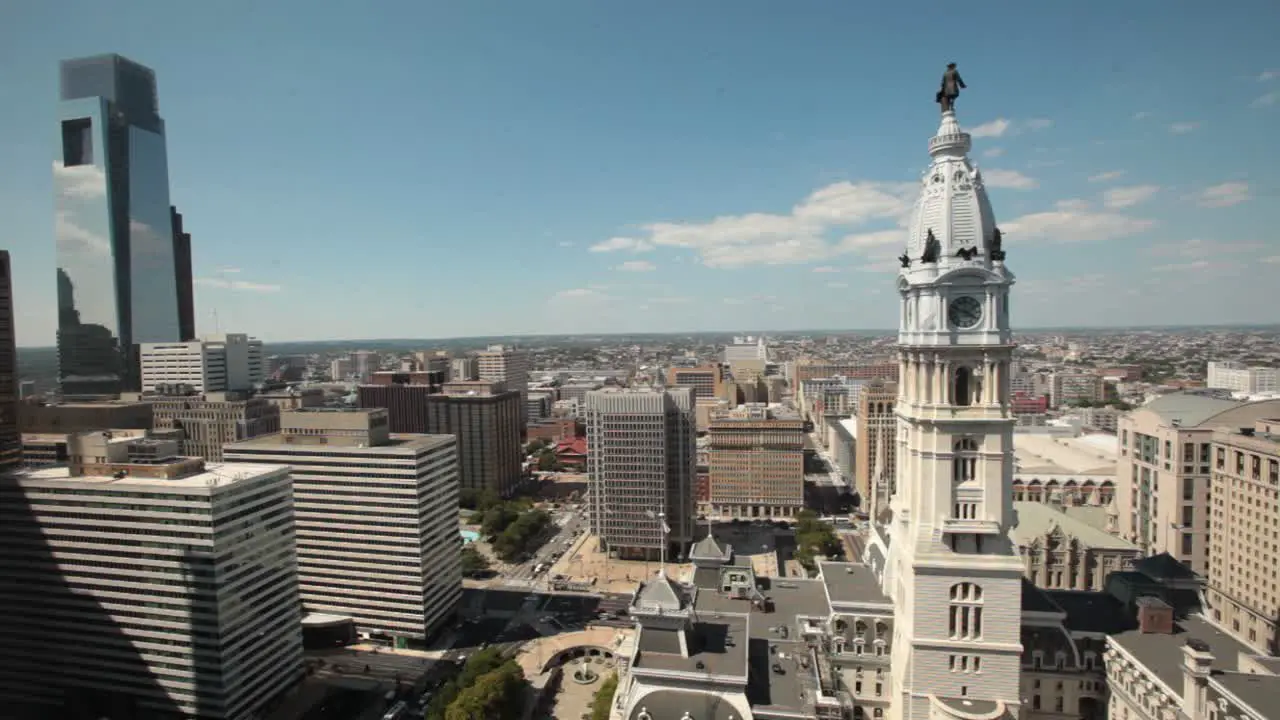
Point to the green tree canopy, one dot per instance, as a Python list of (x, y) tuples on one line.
[(473, 563), (600, 704)]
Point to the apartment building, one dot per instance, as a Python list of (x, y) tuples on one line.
[(1067, 388), (1243, 557), (1165, 468), (641, 466), (809, 369), (364, 363), (875, 459), (140, 583), (1241, 378), (756, 463), (746, 349), (485, 418), (210, 420), (377, 530), (216, 363), (707, 381), (1105, 419), (10, 436), (506, 365)]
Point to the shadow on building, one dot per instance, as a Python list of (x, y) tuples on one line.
[(66, 654)]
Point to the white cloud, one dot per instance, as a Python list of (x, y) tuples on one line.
[(637, 266), (995, 128), (780, 239), (837, 285), (1073, 221), (993, 152), (1268, 75), (1039, 123), (242, 285), (1010, 179), (1266, 100), (1143, 115), (885, 266), (1273, 260), (1197, 248), (229, 270), (621, 243), (1123, 197), (866, 241), (79, 181), (1074, 205), (1197, 266), (826, 269), (1106, 176), (565, 243), (1222, 195), (577, 294), (671, 300), (74, 238), (1182, 128)]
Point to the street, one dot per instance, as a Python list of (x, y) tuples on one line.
[(568, 522)]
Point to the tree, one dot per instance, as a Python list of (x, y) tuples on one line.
[(480, 663), (522, 535), (479, 500), (495, 695), (548, 461), (600, 704), (473, 563)]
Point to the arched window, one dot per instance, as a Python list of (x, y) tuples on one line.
[(960, 387), (966, 611), (964, 463), (860, 629)]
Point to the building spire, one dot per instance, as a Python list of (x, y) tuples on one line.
[(950, 141)]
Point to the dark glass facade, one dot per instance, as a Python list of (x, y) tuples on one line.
[(182, 275), (117, 270), (10, 439)]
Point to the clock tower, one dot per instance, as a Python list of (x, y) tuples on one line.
[(949, 566)]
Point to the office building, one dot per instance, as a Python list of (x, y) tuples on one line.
[(294, 398), (746, 349), (1067, 467), (340, 369), (404, 395), (377, 529), (485, 417), (1071, 388), (506, 365), (464, 368), (182, 269), (756, 463), (876, 459), (210, 420), (641, 464), (364, 363), (707, 381), (1244, 511), (140, 583), (216, 363), (1165, 468), (117, 276), (869, 369), (1241, 378), (75, 417), (10, 436), (1104, 419)]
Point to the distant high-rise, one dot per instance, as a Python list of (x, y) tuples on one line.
[(10, 439), (642, 459), (182, 277), (117, 270), (507, 365), (216, 363)]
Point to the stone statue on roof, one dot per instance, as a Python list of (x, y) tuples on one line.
[(952, 84)]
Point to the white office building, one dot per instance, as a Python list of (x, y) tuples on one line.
[(745, 349), (376, 516), (216, 363), (1241, 378), (508, 365), (142, 584)]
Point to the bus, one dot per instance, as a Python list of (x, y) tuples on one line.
[(397, 711)]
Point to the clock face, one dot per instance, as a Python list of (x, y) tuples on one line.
[(965, 312)]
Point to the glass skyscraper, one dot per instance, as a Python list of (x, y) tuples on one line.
[(117, 251)]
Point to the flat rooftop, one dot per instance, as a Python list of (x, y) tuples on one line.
[(1033, 520), (1162, 654), (1050, 455), (214, 475), (792, 690), (852, 583), (718, 643), (400, 444), (1259, 692)]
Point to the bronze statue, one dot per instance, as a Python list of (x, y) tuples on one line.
[(905, 259), (967, 253), (997, 245), (932, 248), (951, 87)]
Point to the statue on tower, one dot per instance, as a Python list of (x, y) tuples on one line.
[(932, 248), (996, 251), (952, 84)]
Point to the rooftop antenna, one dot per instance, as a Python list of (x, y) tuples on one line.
[(216, 327)]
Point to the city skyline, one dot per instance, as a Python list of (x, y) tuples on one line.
[(738, 180)]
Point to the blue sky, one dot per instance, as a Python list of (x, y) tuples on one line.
[(426, 169)]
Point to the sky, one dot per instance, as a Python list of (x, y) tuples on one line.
[(441, 169)]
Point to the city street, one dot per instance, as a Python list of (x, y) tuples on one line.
[(523, 575)]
